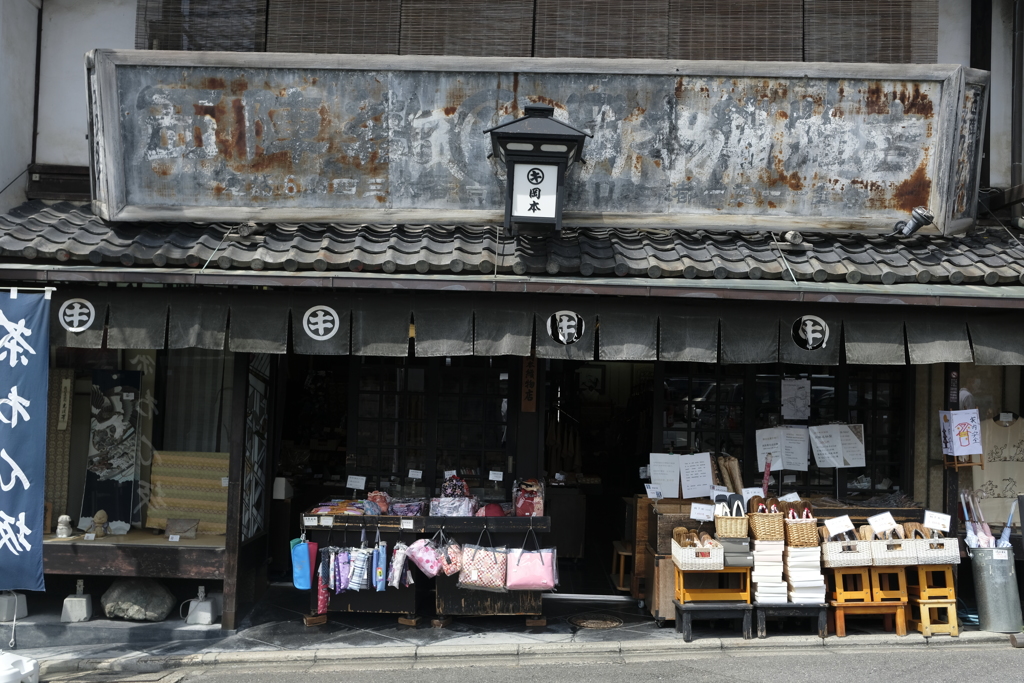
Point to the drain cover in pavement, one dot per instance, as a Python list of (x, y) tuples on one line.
[(595, 621)]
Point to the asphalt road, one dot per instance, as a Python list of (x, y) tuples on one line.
[(958, 664)]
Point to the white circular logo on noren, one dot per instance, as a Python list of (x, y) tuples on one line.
[(321, 323), (76, 315), (810, 332)]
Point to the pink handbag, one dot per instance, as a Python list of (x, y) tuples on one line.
[(531, 570), (424, 554)]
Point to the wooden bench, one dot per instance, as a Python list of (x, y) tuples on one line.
[(739, 593), (932, 617), (686, 613), (889, 611), (817, 612)]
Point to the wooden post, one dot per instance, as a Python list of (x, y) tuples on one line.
[(951, 401), (239, 400)]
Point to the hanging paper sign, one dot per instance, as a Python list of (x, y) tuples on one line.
[(882, 523), (936, 520), (355, 482), (750, 493), (838, 445), (791, 497), (695, 473), (665, 473), (406, 524), (716, 490), (24, 378), (796, 399), (702, 512), (946, 431), (310, 521), (966, 432), (653, 491), (494, 475), (415, 474), (839, 525)]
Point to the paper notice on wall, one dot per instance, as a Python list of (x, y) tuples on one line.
[(796, 399), (946, 431), (795, 448), (769, 448), (966, 439), (695, 473), (838, 445), (664, 470)]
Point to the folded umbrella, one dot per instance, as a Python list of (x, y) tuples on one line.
[(1004, 538)]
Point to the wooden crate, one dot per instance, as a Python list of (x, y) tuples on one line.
[(641, 507), (659, 582), (662, 518)]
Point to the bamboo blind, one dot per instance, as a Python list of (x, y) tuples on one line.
[(334, 26), (201, 25), (761, 30), (888, 31), (492, 28), (601, 28)]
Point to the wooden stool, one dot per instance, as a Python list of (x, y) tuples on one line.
[(931, 582), (890, 611), (620, 551), (685, 614), (927, 617), (739, 594), (888, 584), (849, 584), (817, 612)]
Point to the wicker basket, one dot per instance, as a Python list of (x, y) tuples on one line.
[(802, 533), (937, 550), (694, 558), (767, 526), (732, 527), (894, 552), (846, 554)]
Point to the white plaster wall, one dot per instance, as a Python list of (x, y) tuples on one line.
[(70, 29), (954, 32), (18, 21), (1000, 104)]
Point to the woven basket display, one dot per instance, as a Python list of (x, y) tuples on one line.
[(694, 558), (894, 552), (767, 526), (802, 533), (937, 550), (732, 527), (844, 553)]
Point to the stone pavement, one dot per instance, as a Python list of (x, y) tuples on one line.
[(274, 634)]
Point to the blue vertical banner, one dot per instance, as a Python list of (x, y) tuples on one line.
[(24, 382)]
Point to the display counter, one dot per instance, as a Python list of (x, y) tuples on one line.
[(136, 554)]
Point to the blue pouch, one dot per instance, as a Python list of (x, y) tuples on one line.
[(300, 565)]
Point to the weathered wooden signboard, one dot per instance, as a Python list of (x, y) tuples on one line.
[(382, 139)]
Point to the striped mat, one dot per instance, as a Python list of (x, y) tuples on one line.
[(188, 486)]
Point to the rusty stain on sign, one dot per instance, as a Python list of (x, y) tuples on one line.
[(350, 139)]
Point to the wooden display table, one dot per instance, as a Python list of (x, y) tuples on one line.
[(849, 584), (819, 612), (620, 551), (741, 593), (932, 617), (931, 582), (890, 611), (889, 584), (686, 613)]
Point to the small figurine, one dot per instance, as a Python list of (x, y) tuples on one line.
[(99, 524), (64, 527)]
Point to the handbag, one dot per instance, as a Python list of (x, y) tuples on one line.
[(423, 553), (483, 567), (303, 559), (531, 570), (449, 555)]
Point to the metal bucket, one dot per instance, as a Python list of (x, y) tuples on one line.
[(995, 585)]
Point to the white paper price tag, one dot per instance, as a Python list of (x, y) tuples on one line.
[(355, 482), (789, 479), (1006, 417), (839, 525), (224, 481), (90, 537), (702, 512), (791, 497), (415, 474), (327, 521), (883, 522), (559, 476), (310, 521), (715, 490), (494, 475), (406, 524), (174, 538), (750, 493), (449, 473), (936, 520), (1000, 554), (653, 491)]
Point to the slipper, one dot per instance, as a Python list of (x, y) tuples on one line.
[(755, 504), (773, 505), (734, 500), (722, 498)]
